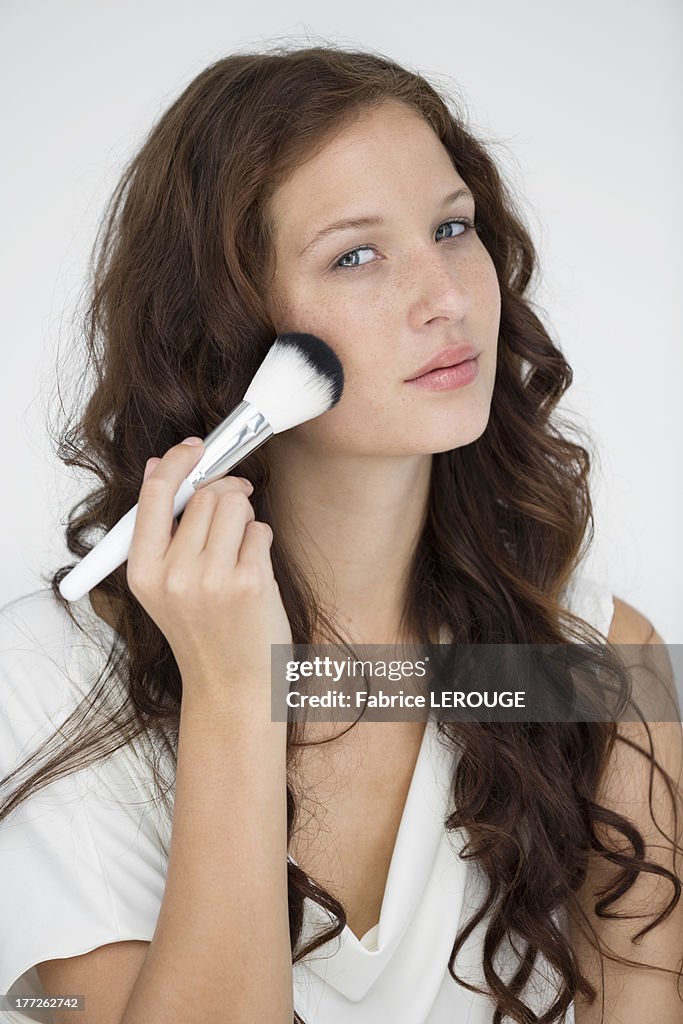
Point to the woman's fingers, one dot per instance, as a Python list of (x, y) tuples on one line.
[(258, 537), (155, 524), (210, 587), (154, 516), (213, 522), (150, 467)]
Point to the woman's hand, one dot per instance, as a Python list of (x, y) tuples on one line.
[(208, 584)]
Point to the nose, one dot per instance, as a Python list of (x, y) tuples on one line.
[(442, 290)]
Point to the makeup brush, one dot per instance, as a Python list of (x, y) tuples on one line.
[(300, 378)]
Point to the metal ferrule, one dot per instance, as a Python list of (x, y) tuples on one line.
[(237, 436)]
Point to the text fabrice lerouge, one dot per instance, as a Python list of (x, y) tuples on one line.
[(445, 699)]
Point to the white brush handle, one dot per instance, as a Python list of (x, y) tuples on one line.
[(112, 550), (239, 434)]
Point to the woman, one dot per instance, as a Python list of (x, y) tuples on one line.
[(407, 513)]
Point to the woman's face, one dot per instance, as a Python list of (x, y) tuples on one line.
[(390, 296)]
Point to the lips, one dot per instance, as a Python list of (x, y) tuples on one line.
[(450, 356)]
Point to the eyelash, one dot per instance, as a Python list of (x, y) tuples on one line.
[(469, 225)]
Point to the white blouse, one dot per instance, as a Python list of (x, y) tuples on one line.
[(83, 861)]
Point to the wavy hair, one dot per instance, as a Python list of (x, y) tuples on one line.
[(177, 322)]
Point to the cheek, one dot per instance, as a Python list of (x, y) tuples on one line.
[(370, 409), (488, 287), (333, 319), (368, 395), (359, 336)]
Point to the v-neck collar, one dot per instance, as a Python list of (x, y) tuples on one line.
[(352, 965)]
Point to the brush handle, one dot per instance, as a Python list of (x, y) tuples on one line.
[(239, 434), (114, 548)]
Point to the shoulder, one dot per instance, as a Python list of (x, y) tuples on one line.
[(645, 654), (631, 788), (36, 624), (38, 637), (631, 626), (35, 646), (48, 665), (31, 616), (626, 779)]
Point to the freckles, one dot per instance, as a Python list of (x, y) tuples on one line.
[(489, 277), (373, 403), (485, 291), (282, 315), (328, 321), (483, 273)]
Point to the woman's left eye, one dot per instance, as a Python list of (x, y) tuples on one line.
[(465, 222)]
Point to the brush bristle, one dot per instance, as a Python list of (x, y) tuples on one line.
[(299, 379)]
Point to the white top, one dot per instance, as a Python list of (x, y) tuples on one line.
[(83, 862)]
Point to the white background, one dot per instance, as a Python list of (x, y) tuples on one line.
[(583, 102)]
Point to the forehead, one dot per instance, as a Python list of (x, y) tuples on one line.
[(387, 151)]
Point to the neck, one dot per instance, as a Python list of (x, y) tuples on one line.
[(352, 522)]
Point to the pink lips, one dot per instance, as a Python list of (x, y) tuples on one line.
[(450, 368), (449, 377), (449, 356)]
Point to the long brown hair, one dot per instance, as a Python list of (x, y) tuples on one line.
[(177, 321)]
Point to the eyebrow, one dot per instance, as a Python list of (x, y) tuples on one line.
[(368, 222)]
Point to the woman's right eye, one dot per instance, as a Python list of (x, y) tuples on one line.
[(362, 248)]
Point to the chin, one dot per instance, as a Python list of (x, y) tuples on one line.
[(445, 441)]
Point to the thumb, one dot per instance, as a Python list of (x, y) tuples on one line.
[(150, 466)]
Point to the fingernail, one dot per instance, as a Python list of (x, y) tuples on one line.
[(193, 440)]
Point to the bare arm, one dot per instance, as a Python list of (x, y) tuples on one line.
[(221, 949)]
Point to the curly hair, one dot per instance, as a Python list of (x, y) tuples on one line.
[(177, 322)]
